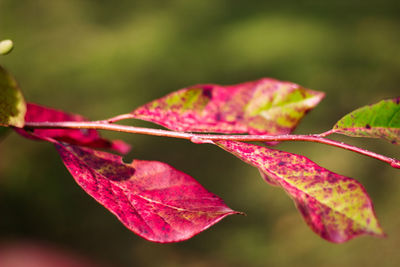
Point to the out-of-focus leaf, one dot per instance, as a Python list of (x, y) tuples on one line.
[(265, 106), (24, 253), (380, 120), (84, 137), (12, 103), (336, 207), (6, 46), (151, 198)]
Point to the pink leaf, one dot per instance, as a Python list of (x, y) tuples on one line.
[(265, 106), (335, 207), (151, 198), (84, 137)]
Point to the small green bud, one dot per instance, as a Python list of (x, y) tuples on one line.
[(6, 46)]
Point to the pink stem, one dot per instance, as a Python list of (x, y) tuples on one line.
[(117, 118), (208, 138), (325, 134)]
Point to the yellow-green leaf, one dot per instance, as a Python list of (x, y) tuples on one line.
[(335, 207), (12, 103)]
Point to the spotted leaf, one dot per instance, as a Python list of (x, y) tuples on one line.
[(381, 120), (336, 207), (84, 137), (265, 106), (154, 200), (12, 103)]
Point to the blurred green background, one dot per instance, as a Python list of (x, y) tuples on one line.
[(103, 58)]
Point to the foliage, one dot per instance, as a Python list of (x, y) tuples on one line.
[(266, 106), (162, 204), (381, 120), (335, 207)]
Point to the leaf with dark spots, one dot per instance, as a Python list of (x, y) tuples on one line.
[(380, 120), (152, 199), (336, 207), (12, 103), (265, 106), (84, 137)]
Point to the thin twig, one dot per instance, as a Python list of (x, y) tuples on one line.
[(325, 134), (116, 118), (206, 138)]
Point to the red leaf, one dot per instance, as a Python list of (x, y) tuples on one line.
[(84, 137), (265, 106), (151, 198), (335, 207)]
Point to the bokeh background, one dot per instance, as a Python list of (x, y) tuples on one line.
[(103, 58)]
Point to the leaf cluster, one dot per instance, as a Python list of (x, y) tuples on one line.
[(163, 204)]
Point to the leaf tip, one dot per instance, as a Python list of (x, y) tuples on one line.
[(188, 234)]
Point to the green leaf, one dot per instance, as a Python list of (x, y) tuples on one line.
[(380, 120), (12, 104)]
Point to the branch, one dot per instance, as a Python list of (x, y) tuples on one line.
[(208, 138)]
